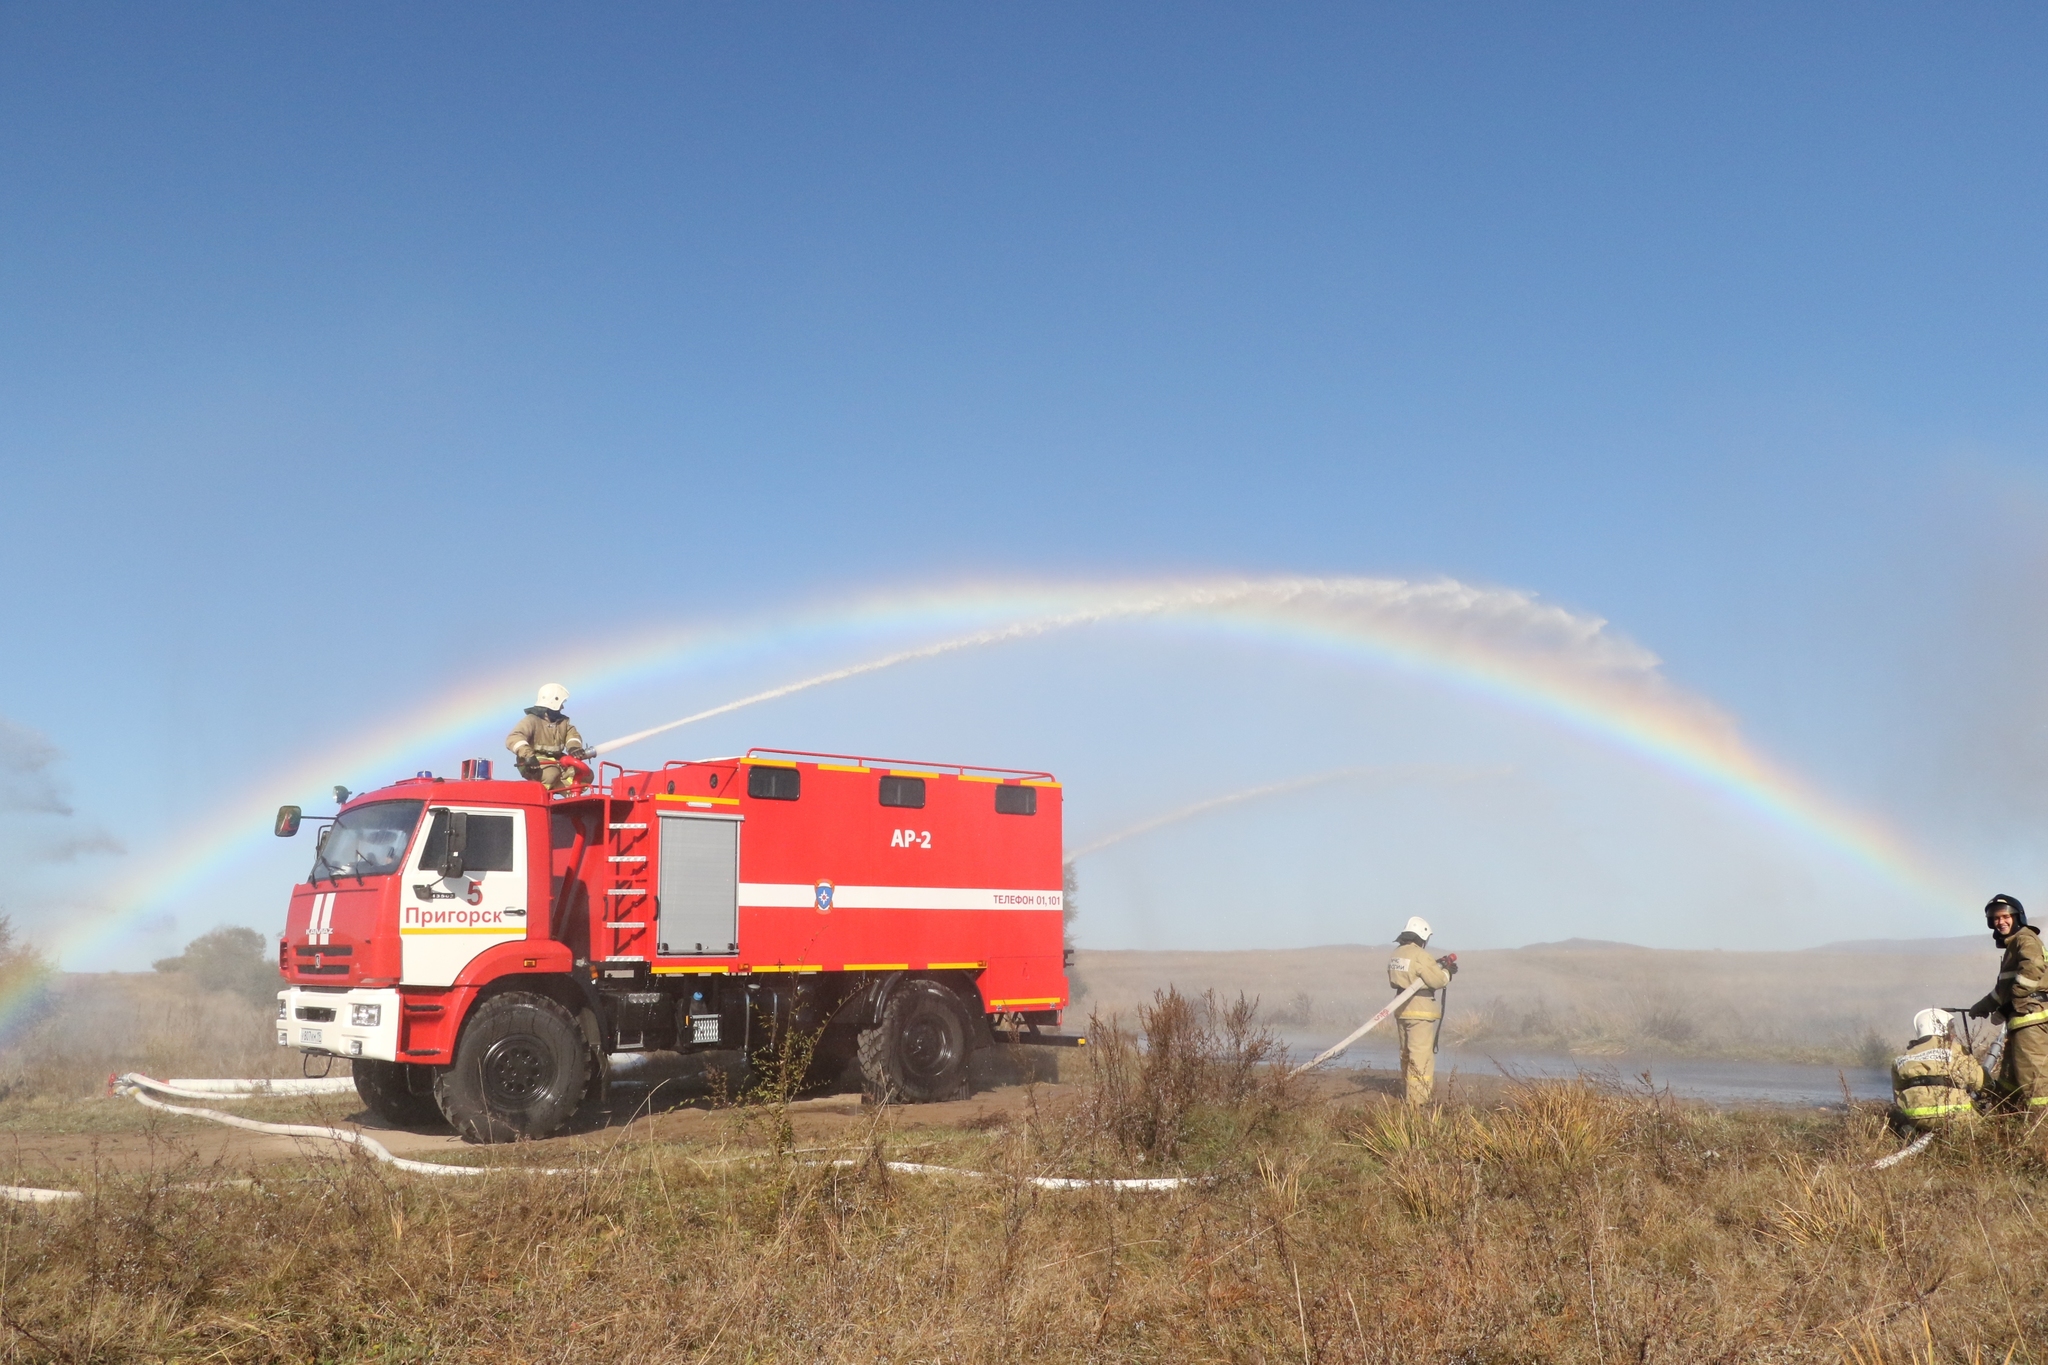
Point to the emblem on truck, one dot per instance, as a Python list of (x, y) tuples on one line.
[(824, 898)]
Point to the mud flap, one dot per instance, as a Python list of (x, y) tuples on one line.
[(597, 1099)]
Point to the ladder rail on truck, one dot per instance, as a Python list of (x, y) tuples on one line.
[(477, 949)]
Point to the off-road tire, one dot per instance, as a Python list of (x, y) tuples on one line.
[(399, 1093), (521, 1068), (833, 1058), (918, 1053)]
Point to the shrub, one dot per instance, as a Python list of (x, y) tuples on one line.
[(231, 959)]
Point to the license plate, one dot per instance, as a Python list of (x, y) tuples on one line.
[(309, 1035)]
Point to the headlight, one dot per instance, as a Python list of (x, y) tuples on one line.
[(280, 1007), (366, 1016)]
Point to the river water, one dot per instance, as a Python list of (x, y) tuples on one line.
[(1713, 1080)]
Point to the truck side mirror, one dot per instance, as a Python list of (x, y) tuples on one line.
[(458, 843), (287, 822)]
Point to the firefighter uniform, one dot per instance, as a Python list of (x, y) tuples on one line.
[(1932, 1081), (1419, 1019), (541, 735), (2021, 998)]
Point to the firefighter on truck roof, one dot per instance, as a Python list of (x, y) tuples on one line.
[(1420, 1018), (542, 736)]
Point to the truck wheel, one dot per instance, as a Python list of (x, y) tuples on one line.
[(918, 1052), (397, 1092), (835, 1055), (520, 1070)]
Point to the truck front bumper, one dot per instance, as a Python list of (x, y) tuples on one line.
[(351, 1023)]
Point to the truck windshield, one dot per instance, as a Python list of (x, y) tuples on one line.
[(367, 841)]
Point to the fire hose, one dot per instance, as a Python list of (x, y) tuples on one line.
[(135, 1086), (1360, 1031)]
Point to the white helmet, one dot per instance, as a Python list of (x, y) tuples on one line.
[(1927, 1023), (1419, 927), (554, 696)]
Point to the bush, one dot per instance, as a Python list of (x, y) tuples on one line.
[(232, 959), (24, 984), (1196, 1055)]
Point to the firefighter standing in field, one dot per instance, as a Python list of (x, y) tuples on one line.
[(1933, 1079), (1419, 1019), (542, 736), (2021, 999)]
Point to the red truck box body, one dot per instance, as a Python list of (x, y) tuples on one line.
[(771, 863)]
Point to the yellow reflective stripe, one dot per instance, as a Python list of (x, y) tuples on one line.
[(1921, 1111), (2025, 1020), (2038, 1099)]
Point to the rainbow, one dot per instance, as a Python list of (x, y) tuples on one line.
[(1503, 648)]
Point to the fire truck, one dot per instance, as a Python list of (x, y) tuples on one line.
[(479, 949)]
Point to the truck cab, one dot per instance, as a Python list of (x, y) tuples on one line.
[(478, 949)]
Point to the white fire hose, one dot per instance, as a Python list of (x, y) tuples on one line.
[(1046, 1182), (135, 1085), (189, 1089), (1358, 1032)]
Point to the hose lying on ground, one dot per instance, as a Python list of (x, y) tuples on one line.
[(189, 1089), (1045, 1182), (1914, 1148), (133, 1086)]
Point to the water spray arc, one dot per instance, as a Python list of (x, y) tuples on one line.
[(1497, 646), (1402, 772)]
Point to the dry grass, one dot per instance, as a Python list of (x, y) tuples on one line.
[(162, 1024), (1564, 1222)]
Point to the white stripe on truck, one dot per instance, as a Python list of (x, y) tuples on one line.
[(803, 895)]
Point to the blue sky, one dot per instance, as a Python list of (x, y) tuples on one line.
[(346, 354)]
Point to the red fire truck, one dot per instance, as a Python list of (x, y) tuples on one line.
[(478, 949)]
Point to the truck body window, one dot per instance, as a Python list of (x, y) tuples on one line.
[(487, 848), (774, 784), (1016, 800), (903, 791)]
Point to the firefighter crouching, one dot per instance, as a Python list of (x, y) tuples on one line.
[(1934, 1078), (542, 736), (1419, 1019), (2021, 999)]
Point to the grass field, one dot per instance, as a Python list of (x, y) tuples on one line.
[(1546, 1221)]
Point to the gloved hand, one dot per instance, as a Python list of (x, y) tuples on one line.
[(575, 751), (1449, 962), (1982, 1009)]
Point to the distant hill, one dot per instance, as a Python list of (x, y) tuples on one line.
[(1966, 943)]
